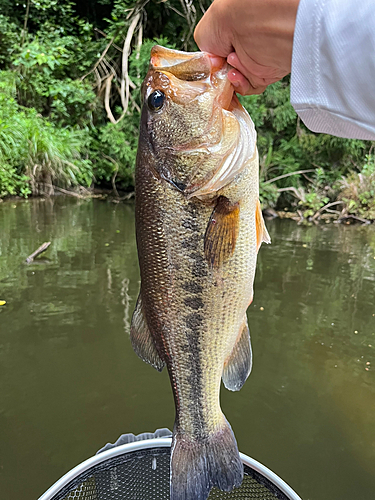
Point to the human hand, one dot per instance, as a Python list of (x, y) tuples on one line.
[(255, 36)]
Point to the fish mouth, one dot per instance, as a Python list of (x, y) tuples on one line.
[(195, 67), (187, 66)]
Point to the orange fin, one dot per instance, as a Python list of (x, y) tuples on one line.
[(261, 230), (222, 231)]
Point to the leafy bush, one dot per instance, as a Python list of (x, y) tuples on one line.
[(357, 190), (34, 151), (116, 150), (9, 36), (42, 66), (54, 128)]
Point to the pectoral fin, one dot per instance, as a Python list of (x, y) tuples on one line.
[(141, 339), (222, 232), (261, 230), (237, 366)]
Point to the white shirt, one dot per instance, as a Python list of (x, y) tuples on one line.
[(333, 67)]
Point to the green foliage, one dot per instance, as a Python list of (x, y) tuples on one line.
[(9, 37), (42, 66), (268, 195), (11, 183), (312, 202), (34, 151), (357, 190), (54, 128), (117, 149), (45, 13)]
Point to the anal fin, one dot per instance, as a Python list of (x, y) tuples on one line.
[(237, 366), (141, 338), (222, 232)]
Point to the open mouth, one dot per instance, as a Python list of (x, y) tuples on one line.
[(194, 67)]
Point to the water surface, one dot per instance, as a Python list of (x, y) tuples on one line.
[(70, 382)]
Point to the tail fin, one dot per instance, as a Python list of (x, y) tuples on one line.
[(198, 465)]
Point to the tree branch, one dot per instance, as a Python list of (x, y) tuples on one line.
[(288, 175), (25, 22), (37, 252)]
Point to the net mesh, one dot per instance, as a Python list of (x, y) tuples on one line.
[(144, 475)]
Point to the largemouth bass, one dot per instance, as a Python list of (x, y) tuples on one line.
[(199, 227)]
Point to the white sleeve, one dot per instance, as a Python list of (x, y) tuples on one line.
[(333, 67)]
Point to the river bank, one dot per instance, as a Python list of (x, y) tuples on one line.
[(319, 216), (324, 215)]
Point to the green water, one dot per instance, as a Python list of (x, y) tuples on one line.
[(70, 382)]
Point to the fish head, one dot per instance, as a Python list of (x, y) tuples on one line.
[(197, 131)]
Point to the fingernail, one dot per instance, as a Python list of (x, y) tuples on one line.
[(233, 78), (231, 58)]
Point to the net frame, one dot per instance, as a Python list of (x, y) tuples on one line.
[(117, 451)]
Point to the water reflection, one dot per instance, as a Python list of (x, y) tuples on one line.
[(69, 381)]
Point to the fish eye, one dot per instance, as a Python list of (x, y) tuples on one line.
[(156, 100)]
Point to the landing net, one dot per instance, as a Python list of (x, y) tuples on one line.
[(139, 470)]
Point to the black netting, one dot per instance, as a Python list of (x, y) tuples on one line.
[(144, 475)]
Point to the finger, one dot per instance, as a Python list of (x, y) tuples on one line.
[(257, 90), (239, 82), (258, 75), (234, 61), (242, 74), (242, 85), (209, 34)]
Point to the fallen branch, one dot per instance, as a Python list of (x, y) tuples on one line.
[(298, 194), (37, 252), (335, 212), (326, 208), (127, 197), (65, 191), (288, 175), (346, 217)]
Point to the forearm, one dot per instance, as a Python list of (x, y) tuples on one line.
[(333, 67)]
